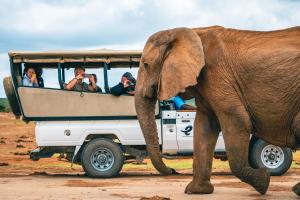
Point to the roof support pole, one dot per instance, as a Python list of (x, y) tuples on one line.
[(105, 78)]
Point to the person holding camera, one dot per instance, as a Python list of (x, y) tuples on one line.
[(98, 89), (126, 86), (29, 77), (77, 84)]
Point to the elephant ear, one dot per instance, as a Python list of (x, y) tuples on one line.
[(181, 64)]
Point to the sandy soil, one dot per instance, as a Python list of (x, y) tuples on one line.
[(54, 178)]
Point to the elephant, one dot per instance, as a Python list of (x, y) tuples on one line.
[(244, 82)]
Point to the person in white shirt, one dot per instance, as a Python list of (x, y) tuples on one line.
[(29, 77)]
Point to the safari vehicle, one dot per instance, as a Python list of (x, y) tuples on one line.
[(101, 131)]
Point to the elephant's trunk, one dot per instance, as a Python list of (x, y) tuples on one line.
[(145, 108)]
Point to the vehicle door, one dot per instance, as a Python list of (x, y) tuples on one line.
[(185, 130)]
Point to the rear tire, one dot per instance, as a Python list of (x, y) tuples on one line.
[(263, 155), (102, 158), (11, 96)]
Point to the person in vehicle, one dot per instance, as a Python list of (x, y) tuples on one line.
[(181, 105), (77, 84), (29, 77), (98, 89), (126, 86), (40, 80)]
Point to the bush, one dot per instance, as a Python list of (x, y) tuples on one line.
[(4, 105)]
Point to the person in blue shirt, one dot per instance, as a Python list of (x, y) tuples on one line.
[(181, 105), (29, 77)]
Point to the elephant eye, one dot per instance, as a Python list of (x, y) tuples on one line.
[(146, 65)]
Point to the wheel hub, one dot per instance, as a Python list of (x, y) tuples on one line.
[(102, 159), (272, 156)]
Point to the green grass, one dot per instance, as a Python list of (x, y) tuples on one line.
[(4, 105), (177, 164)]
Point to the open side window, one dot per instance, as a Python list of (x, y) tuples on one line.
[(53, 102), (115, 74), (66, 74)]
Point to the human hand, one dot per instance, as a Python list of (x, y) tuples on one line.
[(33, 79), (126, 83), (79, 76)]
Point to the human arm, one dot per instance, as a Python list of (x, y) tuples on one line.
[(188, 107), (72, 83), (34, 81), (129, 87), (130, 92), (118, 90), (178, 102)]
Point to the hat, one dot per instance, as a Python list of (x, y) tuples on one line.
[(129, 76)]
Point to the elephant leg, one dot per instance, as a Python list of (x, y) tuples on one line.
[(236, 131), (296, 126), (205, 137)]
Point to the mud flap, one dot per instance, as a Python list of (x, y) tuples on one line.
[(77, 148)]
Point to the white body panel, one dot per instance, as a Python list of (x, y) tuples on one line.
[(175, 127), (54, 133)]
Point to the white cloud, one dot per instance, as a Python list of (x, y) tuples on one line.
[(4, 65), (67, 17), (126, 24), (255, 14), (5, 71)]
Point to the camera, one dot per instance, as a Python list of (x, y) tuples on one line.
[(87, 75), (131, 87)]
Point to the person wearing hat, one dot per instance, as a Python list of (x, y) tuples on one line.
[(126, 86)]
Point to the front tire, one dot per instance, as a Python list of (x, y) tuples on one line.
[(102, 158), (263, 155)]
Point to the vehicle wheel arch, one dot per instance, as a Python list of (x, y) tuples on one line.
[(93, 136), (252, 141)]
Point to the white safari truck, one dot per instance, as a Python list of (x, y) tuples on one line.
[(101, 131)]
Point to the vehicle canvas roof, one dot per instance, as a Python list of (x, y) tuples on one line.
[(87, 56)]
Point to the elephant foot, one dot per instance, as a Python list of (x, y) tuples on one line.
[(296, 189), (199, 188), (260, 181)]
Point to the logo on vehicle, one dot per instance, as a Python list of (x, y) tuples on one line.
[(188, 130)]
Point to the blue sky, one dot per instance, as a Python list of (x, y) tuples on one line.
[(125, 24)]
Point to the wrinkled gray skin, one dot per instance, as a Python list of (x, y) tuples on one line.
[(244, 82)]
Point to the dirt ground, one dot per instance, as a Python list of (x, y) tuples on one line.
[(54, 178)]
